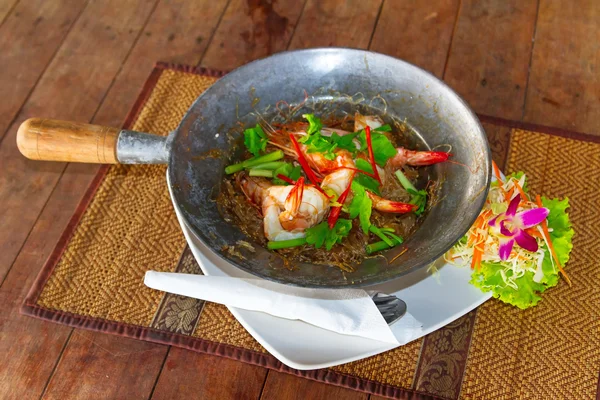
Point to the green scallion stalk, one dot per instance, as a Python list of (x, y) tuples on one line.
[(274, 156), (284, 244), (375, 230), (261, 172), (406, 184), (233, 168), (270, 165), (397, 239), (384, 229), (377, 246)]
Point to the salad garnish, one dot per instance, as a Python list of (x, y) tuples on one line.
[(516, 247)]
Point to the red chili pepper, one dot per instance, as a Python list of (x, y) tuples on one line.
[(335, 211), (371, 155), (293, 182), (359, 171), (302, 160), (285, 178)]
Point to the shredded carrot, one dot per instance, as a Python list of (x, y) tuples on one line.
[(510, 193), (496, 171), (477, 253), (538, 200), (534, 232), (523, 194)]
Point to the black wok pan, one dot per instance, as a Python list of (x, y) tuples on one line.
[(337, 81)]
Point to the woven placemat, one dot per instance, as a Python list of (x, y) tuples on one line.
[(126, 225)]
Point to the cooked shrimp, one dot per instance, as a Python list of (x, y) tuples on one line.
[(417, 158), (338, 181), (343, 158), (255, 189), (362, 121), (389, 206), (287, 210), (303, 206)]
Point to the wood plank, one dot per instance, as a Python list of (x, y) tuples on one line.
[(284, 386), (564, 84), (489, 58), (29, 39), (189, 375), (327, 23), (418, 32), (161, 39), (71, 88), (87, 368), (5, 8), (252, 29), (180, 42), (30, 347)]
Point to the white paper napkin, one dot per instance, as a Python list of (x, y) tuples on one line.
[(345, 311)]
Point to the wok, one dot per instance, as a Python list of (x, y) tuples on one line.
[(333, 81)]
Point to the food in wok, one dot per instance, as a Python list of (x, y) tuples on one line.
[(330, 192)]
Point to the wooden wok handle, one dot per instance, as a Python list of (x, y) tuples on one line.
[(53, 140)]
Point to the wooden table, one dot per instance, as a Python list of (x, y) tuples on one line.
[(87, 60)]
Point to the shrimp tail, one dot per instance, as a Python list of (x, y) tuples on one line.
[(388, 206), (255, 189), (417, 158), (294, 198)]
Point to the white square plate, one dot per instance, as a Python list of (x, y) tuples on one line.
[(435, 300)]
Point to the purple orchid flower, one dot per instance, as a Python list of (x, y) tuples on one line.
[(512, 227)]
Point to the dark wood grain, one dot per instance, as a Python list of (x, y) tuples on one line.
[(489, 58), (252, 29), (348, 23), (71, 88), (5, 8), (29, 39), (564, 85), (30, 348), (178, 31), (417, 31), (188, 375), (178, 44), (86, 368), (284, 386)]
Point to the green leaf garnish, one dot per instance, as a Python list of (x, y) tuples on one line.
[(364, 180), (383, 149), (361, 206), (314, 124), (286, 170), (384, 128), (255, 140), (320, 234)]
